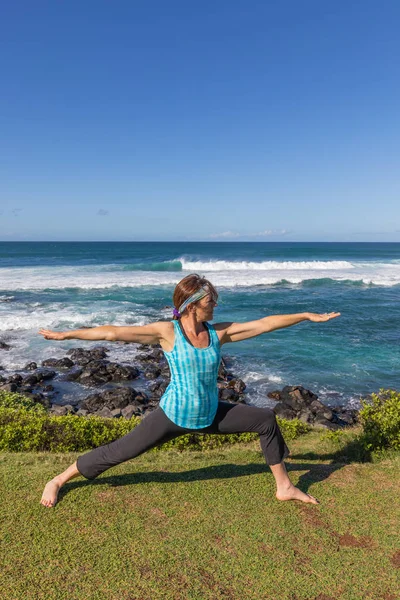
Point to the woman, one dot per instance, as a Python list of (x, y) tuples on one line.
[(190, 403)]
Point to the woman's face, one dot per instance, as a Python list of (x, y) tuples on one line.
[(205, 308)]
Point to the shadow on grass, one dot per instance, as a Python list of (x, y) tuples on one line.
[(353, 451)]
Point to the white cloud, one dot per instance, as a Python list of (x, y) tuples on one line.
[(224, 234), (103, 213), (235, 234)]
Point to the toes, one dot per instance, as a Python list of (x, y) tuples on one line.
[(312, 499)]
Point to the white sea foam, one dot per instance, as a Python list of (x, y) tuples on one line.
[(221, 273), (268, 265), (52, 316)]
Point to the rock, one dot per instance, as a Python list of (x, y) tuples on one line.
[(305, 415), (83, 357), (4, 346), (64, 363), (58, 411), (157, 388), (30, 366), (40, 399), (48, 388), (43, 374), (283, 411), (111, 399), (9, 387), (61, 363), (120, 372), (321, 422), (16, 378), (141, 398), (223, 372), (238, 385), (25, 390), (2, 379), (105, 412), (131, 410), (30, 380), (99, 372), (152, 372), (165, 371), (347, 417), (316, 406), (72, 375), (49, 362), (82, 412), (228, 394), (116, 412)]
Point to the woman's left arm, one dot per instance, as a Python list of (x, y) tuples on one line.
[(235, 332)]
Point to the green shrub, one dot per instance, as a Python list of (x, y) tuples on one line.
[(26, 426), (15, 400), (380, 418), (333, 436)]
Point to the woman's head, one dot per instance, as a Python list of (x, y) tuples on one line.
[(204, 296)]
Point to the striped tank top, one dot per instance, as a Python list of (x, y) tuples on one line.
[(191, 398)]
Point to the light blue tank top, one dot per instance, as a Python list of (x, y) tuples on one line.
[(191, 399)]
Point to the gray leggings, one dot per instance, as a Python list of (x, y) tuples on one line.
[(156, 428)]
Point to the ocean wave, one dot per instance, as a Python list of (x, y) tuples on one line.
[(268, 265), (89, 278), (54, 317), (171, 265)]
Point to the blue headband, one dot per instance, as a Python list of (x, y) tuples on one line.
[(193, 298)]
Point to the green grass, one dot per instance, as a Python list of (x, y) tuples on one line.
[(203, 525)]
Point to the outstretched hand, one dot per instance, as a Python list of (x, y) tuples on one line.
[(51, 335), (316, 318)]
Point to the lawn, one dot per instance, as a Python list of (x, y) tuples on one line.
[(203, 525)]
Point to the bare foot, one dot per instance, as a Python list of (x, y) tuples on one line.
[(293, 493), (50, 493)]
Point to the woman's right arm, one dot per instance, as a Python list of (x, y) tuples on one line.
[(140, 334)]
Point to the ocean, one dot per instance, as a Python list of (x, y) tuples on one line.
[(68, 285)]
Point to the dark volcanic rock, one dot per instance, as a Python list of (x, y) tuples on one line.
[(30, 380), (4, 346), (61, 363), (16, 378), (131, 410), (72, 374), (99, 372), (229, 395), (116, 398), (30, 366), (152, 372), (58, 410), (223, 373), (284, 411), (9, 387), (122, 372), (43, 374), (83, 357), (297, 402)]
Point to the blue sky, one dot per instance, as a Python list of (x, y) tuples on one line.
[(219, 120)]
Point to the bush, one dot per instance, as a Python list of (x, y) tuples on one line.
[(15, 400), (26, 426), (380, 418)]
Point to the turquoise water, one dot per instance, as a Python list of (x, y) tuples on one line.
[(69, 285)]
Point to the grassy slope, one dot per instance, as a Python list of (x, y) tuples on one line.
[(195, 525)]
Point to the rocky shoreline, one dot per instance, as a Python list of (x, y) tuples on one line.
[(118, 398)]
